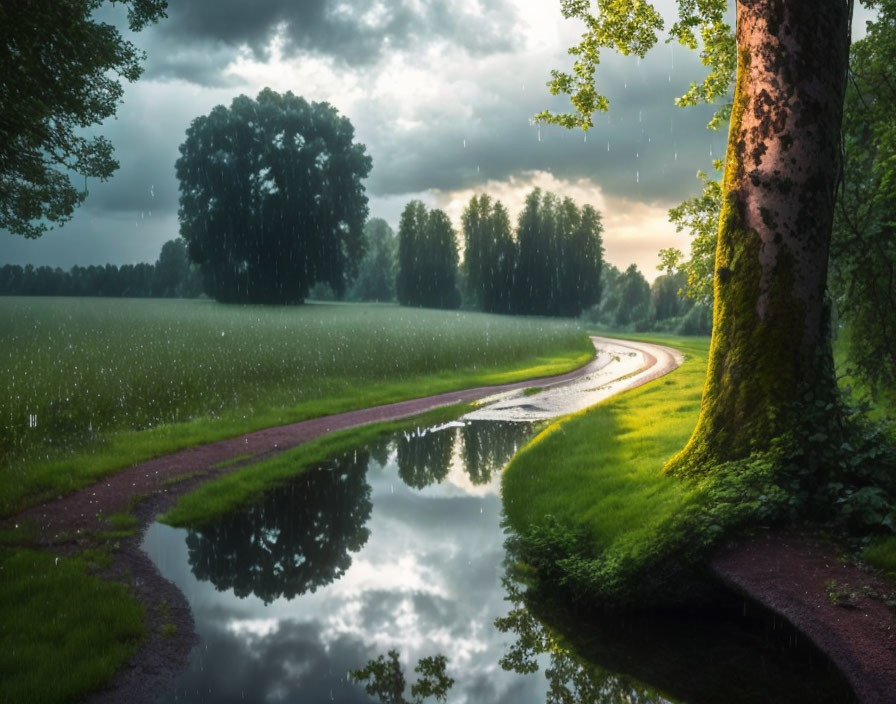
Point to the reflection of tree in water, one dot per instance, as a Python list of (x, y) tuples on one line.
[(296, 539), (424, 457), (380, 449), (719, 650), (489, 445), (571, 679)]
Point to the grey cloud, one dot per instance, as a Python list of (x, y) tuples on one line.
[(354, 34), (654, 148)]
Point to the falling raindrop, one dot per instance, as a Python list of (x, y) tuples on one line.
[(539, 134), (640, 115), (608, 145), (465, 143), (637, 177)]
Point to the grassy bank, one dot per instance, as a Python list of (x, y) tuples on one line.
[(599, 471), (233, 491), (63, 632), (592, 510), (92, 385)]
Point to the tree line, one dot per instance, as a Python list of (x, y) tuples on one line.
[(550, 265), (172, 276)]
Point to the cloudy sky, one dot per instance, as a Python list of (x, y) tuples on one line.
[(440, 91)]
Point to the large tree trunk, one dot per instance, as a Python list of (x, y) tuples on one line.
[(771, 347)]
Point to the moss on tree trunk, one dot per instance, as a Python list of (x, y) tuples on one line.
[(771, 347)]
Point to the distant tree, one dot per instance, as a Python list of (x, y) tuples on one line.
[(441, 259), (271, 199), (376, 272), (427, 259), (489, 254), (536, 263), (171, 270), (634, 296), (582, 263), (411, 232), (61, 71), (666, 301), (559, 257)]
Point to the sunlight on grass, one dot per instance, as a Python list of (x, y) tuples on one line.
[(601, 469), (882, 554)]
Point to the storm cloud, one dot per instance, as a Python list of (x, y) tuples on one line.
[(353, 34), (441, 94)]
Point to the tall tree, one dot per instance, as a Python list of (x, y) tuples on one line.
[(172, 269), (441, 290), (411, 233), (489, 254), (61, 73), (771, 340), (427, 259), (271, 199), (376, 272)]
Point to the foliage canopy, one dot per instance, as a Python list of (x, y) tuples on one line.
[(271, 199), (61, 74)]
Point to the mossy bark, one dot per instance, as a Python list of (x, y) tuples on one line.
[(771, 339)]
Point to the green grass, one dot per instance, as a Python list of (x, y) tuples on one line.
[(881, 553), (93, 385), (600, 470), (215, 499), (63, 632)]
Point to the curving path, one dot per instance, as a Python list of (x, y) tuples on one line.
[(617, 366)]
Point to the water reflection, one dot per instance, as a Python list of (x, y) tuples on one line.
[(481, 448), (415, 567), (399, 547), (724, 650), (297, 538), (423, 457)]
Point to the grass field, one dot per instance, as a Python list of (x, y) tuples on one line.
[(63, 632), (92, 385), (600, 470)]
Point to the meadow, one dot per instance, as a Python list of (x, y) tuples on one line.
[(93, 385), (601, 468)]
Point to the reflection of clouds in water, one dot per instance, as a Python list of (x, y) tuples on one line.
[(426, 581), (291, 663)]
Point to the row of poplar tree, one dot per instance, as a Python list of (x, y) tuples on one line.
[(550, 265)]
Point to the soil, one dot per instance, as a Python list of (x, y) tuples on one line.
[(68, 524), (833, 601)]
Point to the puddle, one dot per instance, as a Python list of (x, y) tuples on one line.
[(397, 545)]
